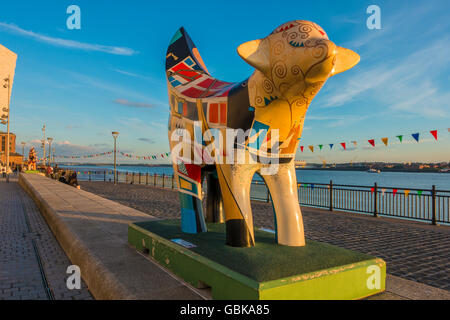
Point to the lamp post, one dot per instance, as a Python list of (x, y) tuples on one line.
[(49, 151), (43, 145), (7, 85), (23, 151), (115, 134)]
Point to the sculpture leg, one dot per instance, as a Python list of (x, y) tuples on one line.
[(190, 193), (214, 204), (235, 182), (283, 190), (192, 220)]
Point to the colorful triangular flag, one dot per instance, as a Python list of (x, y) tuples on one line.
[(400, 137), (372, 142), (415, 136), (311, 148), (320, 146), (385, 141), (394, 192), (406, 193), (343, 145), (419, 192), (301, 148), (434, 133), (331, 146)]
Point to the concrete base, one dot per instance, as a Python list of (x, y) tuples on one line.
[(200, 266)]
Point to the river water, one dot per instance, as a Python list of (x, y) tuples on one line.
[(401, 180)]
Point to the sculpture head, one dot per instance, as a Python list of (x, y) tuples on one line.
[(297, 55)]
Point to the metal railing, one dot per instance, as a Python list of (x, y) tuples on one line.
[(429, 205)]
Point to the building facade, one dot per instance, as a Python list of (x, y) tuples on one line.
[(15, 158)]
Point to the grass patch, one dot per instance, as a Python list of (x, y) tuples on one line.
[(267, 260)]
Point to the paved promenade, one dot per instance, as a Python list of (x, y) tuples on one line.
[(32, 264), (93, 231), (412, 250)]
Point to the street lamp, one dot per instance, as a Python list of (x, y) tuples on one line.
[(7, 85), (43, 146), (115, 134), (49, 151), (23, 151)]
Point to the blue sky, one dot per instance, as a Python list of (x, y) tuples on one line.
[(110, 74)]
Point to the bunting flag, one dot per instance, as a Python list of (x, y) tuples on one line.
[(434, 133), (419, 192), (383, 191), (385, 140), (394, 192), (372, 190), (406, 193), (311, 148), (312, 186)]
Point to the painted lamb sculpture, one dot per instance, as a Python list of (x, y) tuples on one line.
[(291, 66)]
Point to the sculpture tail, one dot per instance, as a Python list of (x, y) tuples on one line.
[(183, 56)]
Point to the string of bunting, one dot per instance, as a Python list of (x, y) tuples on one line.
[(127, 155), (373, 142)]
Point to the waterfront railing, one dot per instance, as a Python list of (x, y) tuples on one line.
[(428, 205)]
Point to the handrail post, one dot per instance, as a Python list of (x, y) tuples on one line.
[(173, 176), (163, 180), (104, 176), (146, 179), (433, 205), (89, 175), (154, 179), (375, 203), (139, 177), (331, 195)]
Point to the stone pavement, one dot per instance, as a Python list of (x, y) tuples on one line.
[(93, 231), (32, 264), (412, 250)]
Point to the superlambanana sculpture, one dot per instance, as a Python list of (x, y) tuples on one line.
[(292, 64)]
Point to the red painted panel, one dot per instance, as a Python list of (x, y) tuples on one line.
[(214, 113), (223, 113), (192, 92)]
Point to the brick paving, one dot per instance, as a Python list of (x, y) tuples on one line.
[(412, 250), (21, 225)]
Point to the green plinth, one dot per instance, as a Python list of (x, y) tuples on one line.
[(266, 271)]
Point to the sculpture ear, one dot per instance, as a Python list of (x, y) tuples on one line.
[(256, 54), (345, 59)]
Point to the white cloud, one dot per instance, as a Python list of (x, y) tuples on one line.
[(67, 43)]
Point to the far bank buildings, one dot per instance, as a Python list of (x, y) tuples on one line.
[(7, 68)]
